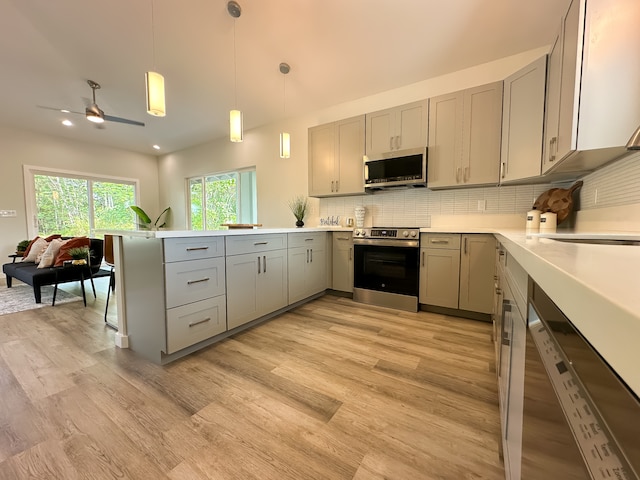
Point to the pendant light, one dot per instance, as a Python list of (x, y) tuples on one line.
[(634, 141), (235, 115), (285, 138), (154, 81)]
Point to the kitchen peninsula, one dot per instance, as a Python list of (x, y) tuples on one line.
[(594, 285)]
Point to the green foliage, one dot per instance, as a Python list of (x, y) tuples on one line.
[(22, 245), (221, 199), (145, 220), (299, 206), (79, 253)]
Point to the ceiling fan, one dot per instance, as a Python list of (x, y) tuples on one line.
[(94, 113)]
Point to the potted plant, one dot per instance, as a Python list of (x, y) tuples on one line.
[(144, 221), (22, 247), (299, 206), (80, 255)]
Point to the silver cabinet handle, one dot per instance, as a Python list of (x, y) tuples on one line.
[(204, 320), (258, 265), (332, 183), (390, 143), (343, 238), (337, 185), (311, 255), (308, 239), (260, 243), (498, 291), (423, 259), (307, 255), (191, 249), (350, 249), (264, 264), (191, 282), (465, 245), (553, 145), (439, 242), (502, 169), (398, 142), (458, 171), (465, 178)]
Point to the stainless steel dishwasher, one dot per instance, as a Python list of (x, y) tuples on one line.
[(580, 421)]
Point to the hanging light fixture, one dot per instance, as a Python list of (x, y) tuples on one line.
[(634, 141), (235, 115), (285, 138), (154, 81)]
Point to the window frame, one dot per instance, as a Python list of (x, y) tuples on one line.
[(30, 171)]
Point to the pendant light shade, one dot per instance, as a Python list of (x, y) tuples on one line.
[(155, 94), (285, 145), (285, 138), (235, 126)]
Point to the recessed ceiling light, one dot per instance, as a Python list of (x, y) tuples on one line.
[(67, 123), (157, 147)]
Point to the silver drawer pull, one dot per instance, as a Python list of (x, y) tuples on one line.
[(260, 243), (440, 241), (204, 320), (191, 282), (343, 238), (308, 239), (191, 249)]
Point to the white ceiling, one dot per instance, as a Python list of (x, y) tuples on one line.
[(339, 50)]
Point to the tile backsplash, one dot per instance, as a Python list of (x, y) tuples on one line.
[(614, 185)]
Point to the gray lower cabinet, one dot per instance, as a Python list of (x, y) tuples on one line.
[(457, 270), (342, 261), (194, 322), (307, 264), (256, 270)]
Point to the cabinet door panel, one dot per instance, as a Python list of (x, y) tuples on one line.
[(272, 282), (477, 268), (242, 289), (379, 131), (194, 280), (321, 159), (350, 140), (317, 271), (440, 272), (445, 139), (552, 105), (482, 134), (298, 259), (195, 322), (342, 262), (412, 125)]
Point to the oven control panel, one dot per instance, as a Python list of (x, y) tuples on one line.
[(388, 233)]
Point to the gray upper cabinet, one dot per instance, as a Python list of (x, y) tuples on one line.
[(464, 137), (523, 123), (593, 100), (336, 152), (398, 128)]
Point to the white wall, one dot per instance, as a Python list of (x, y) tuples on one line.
[(19, 147), (278, 179)]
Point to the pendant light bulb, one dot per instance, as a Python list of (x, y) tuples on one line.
[(285, 138), (235, 126), (235, 115)]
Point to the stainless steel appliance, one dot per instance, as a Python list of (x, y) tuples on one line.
[(407, 168), (579, 420), (386, 267)]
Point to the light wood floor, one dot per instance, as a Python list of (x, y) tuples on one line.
[(330, 390)]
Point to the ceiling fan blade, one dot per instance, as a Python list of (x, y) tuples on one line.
[(62, 110), (111, 118)]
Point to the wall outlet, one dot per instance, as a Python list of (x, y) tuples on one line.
[(8, 213), (482, 205)]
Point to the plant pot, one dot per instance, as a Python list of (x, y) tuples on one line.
[(299, 223)]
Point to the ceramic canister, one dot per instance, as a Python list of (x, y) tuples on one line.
[(533, 221), (548, 222)]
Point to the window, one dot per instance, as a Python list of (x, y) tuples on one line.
[(74, 204), (222, 198)]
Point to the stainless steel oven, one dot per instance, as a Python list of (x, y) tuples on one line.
[(386, 267), (579, 420)]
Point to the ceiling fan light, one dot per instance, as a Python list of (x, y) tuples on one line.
[(285, 145), (155, 94), (94, 114), (235, 126)]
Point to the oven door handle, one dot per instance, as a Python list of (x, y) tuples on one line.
[(387, 243)]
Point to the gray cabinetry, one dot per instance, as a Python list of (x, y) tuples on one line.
[(399, 128), (476, 273), (464, 137), (256, 270), (307, 265), (336, 153), (342, 261), (523, 122), (593, 101)]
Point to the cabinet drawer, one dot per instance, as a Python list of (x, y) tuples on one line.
[(192, 248), (440, 240), (193, 323), (188, 282), (311, 240), (239, 245)]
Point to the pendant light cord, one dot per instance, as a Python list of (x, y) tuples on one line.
[(153, 37), (235, 68)]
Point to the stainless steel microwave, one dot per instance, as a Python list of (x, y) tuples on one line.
[(403, 168)]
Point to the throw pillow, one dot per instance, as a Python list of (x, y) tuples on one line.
[(37, 248), (63, 254), (41, 252), (26, 252), (50, 254)]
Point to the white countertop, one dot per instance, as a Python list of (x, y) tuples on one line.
[(596, 286)]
